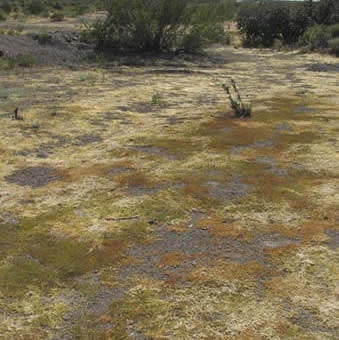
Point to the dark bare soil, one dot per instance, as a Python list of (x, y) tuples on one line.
[(35, 177), (60, 50)]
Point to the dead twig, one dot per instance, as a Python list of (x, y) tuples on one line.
[(122, 218), (194, 210)]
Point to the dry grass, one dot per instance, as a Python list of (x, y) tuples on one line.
[(240, 217)]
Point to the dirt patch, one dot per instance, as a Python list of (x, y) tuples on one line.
[(119, 170), (153, 150), (45, 150), (147, 107), (228, 191), (8, 218), (175, 120), (142, 107), (58, 52), (87, 139), (334, 239), (188, 249), (115, 115), (271, 165), (141, 191), (309, 322), (284, 127), (274, 240), (174, 71), (257, 145), (35, 177), (317, 67), (304, 109)]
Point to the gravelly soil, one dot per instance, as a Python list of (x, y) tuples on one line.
[(34, 177), (56, 52)]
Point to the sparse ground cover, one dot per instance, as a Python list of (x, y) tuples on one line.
[(133, 206)]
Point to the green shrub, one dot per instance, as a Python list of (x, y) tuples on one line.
[(155, 25), (15, 31), (263, 23), (18, 61), (19, 15), (298, 22), (35, 6), (43, 38), (207, 22), (334, 31), (58, 5), (334, 46), (5, 6), (79, 10), (322, 37), (317, 37), (57, 17), (45, 13), (3, 15), (25, 61), (328, 12)]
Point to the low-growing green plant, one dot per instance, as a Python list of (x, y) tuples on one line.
[(57, 16), (240, 109), (316, 37), (78, 10), (19, 15), (228, 38), (322, 37), (334, 29), (25, 61), (43, 38), (10, 31), (89, 79), (3, 15), (4, 64), (21, 61), (334, 46), (156, 99), (45, 13), (15, 30)]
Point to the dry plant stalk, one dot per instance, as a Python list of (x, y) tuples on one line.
[(241, 110)]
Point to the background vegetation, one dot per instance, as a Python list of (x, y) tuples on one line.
[(311, 24), (160, 25), (16, 8), (190, 25)]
